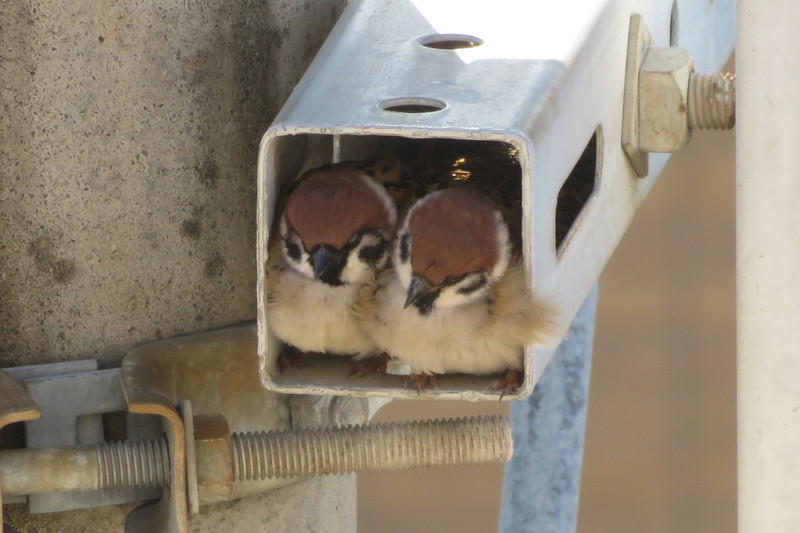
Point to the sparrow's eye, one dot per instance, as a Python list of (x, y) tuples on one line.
[(453, 280), (293, 250), (293, 247), (372, 254)]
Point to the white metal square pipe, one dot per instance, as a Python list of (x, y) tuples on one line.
[(547, 80)]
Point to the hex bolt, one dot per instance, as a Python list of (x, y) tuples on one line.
[(261, 455), (664, 99), (278, 454), (712, 101)]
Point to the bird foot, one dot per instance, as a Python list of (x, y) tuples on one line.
[(292, 356), (509, 384), (422, 380), (373, 365)]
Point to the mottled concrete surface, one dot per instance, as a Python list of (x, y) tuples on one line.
[(128, 140), (128, 157)]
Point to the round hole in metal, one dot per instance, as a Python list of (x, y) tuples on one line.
[(450, 41), (412, 105)]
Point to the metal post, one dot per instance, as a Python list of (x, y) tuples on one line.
[(768, 262), (542, 481)]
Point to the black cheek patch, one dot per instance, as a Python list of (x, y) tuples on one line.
[(424, 304), (372, 254), (293, 250), (472, 287), (332, 278), (404, 251)]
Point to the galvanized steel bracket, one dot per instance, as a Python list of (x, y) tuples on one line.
[(73, 404), (73, 396), (407, 74)]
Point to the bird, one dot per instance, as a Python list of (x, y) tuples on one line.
[(333, 233), (457, 299)]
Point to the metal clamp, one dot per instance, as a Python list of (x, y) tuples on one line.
[(228, 437)]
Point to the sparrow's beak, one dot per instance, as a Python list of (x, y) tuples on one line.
[(419, 288), (325, 260)]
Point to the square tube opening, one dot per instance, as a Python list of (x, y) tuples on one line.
[(491, 167)]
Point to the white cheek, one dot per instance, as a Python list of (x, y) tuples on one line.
[(302, 266), (505, 249), (355, 270), (450, 297), (403, 271)]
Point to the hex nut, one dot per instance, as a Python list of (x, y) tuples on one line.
[(663, 100), (212, 441)]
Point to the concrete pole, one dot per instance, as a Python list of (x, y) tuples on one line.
[(542, 481), (128, 145), (768, 262)]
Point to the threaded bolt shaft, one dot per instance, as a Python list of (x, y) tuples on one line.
[(262, 455), (142, 463), (279, 454), (712, 101)]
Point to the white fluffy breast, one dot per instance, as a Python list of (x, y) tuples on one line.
[(447, 340), (316, 317), (486, 336)]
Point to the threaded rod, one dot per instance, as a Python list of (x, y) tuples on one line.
[(388, 446), (712, 101), (88, 467), (142, 463), (262, 455)]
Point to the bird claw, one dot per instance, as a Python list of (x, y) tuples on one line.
[(510, 384), (292, 356), (373, 365), (422, 380)]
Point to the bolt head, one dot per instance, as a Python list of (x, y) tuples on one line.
[(663, 100)]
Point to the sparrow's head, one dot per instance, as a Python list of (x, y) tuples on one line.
[(452, 246), (337, 225)]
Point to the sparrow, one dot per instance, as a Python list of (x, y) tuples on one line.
[(456, 301), (333, 232)]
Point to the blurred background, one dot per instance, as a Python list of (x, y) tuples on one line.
[(660, 453)]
